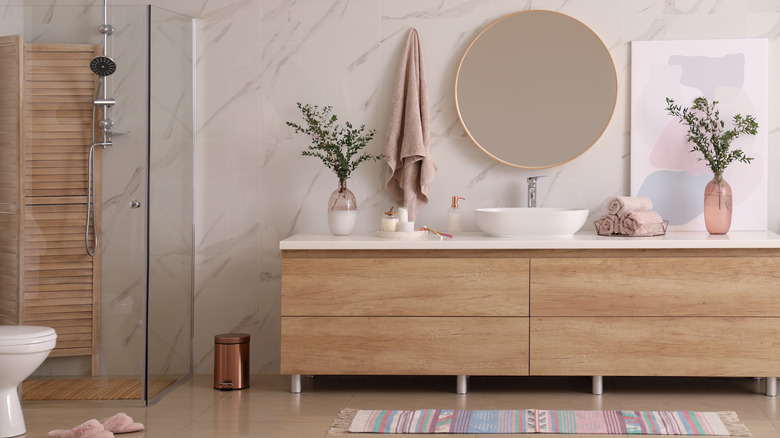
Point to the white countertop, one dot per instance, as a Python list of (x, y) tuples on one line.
[(581, 240)]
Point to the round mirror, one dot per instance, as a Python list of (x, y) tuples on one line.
[(536, 89)]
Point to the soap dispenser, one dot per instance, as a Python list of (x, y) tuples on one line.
[(453, 215)]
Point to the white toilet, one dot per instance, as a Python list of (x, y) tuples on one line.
[(22, 350)]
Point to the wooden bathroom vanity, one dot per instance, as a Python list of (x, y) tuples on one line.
[(684, 304)]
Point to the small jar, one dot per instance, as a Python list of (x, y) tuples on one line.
[(390, 221)]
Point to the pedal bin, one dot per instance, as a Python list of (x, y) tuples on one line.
[(231, 361)]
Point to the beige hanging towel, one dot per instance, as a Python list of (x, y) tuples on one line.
[(410, 168)]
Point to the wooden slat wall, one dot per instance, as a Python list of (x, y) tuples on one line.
[(62, 282), (11, 206)]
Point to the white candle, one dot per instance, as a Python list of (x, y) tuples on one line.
[(406, 227), (403, 215), (390, 223)]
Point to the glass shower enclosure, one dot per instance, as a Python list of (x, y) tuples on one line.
[(125, 314)]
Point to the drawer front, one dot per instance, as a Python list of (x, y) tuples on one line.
[(404, 287), (662, 286), (735, 347), (417, 346)]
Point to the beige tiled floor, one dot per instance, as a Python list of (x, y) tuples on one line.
[(268, 410)]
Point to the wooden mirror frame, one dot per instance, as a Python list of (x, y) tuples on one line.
[(536, 89)]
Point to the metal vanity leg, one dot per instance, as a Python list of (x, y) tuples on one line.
[(295, 383), (462, 385), (597, 385), (771, 386)]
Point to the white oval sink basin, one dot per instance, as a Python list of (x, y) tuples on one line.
[(520, 222)]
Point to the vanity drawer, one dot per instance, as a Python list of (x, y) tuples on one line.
[(413, 346), (655, 286), (728, 347), (404, 286)]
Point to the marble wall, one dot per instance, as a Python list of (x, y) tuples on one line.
[(344, 53), (256, 58)]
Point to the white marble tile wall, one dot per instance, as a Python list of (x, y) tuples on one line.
[(256, 58), (11, 17)]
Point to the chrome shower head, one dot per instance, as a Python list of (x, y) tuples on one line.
[(102, 66)]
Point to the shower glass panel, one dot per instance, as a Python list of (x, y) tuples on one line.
[(169, 319), (138, 287)]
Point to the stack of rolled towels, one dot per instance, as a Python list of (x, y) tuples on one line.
[(630, 216)]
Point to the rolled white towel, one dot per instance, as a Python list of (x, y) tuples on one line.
[(609, 224), (641, 223)]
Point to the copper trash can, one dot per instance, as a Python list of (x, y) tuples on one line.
[(231, 361)]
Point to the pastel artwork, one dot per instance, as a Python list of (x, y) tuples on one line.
[(672, 151), (677, 196), (708, 73), (663, 166)]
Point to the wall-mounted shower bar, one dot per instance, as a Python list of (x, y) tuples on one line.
[(105, 32), (103, 66), (105, 29)]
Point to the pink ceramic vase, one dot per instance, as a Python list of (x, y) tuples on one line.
[(717, 205)]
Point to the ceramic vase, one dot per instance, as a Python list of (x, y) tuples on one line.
[(342, 211), (717, 205)]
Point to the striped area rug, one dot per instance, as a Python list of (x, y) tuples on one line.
[(608, 422)]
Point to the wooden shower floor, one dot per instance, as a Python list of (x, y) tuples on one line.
[(90, 389)]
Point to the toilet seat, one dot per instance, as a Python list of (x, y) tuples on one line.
[(18, 335)]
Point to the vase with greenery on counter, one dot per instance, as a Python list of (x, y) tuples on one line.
[(341, 150), (709, 136)]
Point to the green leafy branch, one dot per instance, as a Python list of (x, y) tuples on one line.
[(709, 134), (338, 147)]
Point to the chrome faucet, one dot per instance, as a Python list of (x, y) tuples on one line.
[(532, 190)]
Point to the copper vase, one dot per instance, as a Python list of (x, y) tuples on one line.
[(717, 205)]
